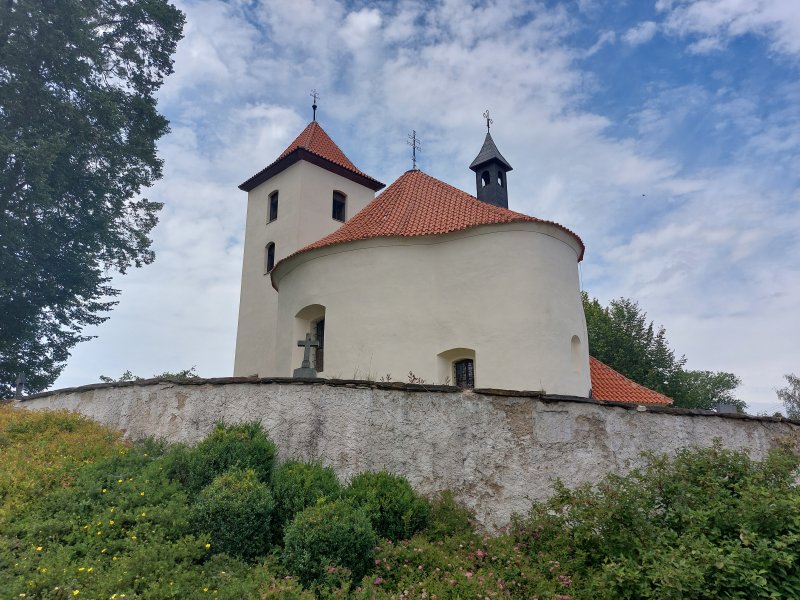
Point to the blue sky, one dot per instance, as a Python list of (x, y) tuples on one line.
[(665, 132)]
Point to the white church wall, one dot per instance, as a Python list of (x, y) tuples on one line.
[(305, 195), (495, 453), (508, 293)]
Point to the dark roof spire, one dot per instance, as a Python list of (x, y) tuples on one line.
[(315, 96), (490, 171)]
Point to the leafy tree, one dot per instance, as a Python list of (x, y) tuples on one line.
[(621, 337), (790, 396), (78, 126), (182, 375)]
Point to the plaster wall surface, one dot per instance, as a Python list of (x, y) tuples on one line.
[(495, 452), (305, 196), (508, 294)]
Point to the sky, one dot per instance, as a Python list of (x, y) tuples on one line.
[(666, 133)]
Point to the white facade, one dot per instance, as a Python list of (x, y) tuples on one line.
[(305, 196), (505, 295)]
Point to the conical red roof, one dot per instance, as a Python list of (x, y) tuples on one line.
[(612, 386), (313, 143), (418, 204)]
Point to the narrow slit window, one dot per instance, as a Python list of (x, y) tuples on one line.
[(339, 206), (319, 334), (269, 259), (485, 179), (273, 206), (464, 371)]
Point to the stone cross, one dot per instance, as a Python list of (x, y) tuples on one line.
[(306, 371), (20, 383)]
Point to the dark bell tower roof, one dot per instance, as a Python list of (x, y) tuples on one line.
[(488, 153)]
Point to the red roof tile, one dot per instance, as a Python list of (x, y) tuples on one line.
[(315, 141), (418, 204), (609, 385)]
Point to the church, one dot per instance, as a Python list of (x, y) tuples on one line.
[(423, 282)]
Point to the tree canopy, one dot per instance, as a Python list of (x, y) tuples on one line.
[(78, 131), (790, 396), (621, 337)]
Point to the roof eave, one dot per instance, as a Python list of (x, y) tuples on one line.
[(477, 165), (315, 159)]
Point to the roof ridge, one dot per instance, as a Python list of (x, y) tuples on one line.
[(418, 204)]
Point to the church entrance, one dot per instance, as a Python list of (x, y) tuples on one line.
[(319, 335)]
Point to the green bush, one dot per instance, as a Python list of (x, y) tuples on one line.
[(296, 486), (244, 446), (394, 510), (327, 537), (235, 510), (448, 518), (710, 523)]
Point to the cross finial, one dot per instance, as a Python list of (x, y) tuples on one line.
[(414, 142), (315, 97), (488, 120)]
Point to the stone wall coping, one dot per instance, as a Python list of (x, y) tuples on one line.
[(410, 387)]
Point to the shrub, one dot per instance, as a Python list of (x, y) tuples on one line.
[(710, 523), (327, 537), (448, 518), (235, 509), (394, 510), (297, 485), (244, 446)]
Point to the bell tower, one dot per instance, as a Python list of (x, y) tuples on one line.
[(308, 192), (490, 171)]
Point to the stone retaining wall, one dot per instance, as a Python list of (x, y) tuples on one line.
[(495, 450)]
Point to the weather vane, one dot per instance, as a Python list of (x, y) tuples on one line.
[(315, 96), (414, 142), (488, 120)]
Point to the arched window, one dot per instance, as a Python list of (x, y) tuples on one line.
[(338, 210), (464, 373), (485, 178), (500, 178), (269, 257), (273, 206)]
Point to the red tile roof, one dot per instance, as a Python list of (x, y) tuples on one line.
[(418, 204), (316, 142), (609, 385)]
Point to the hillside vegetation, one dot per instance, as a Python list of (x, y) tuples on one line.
[(84, 515)]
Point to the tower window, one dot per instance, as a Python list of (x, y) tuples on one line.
[(500, 178), (464, 371), (273, 206), (485, 178), (339, 206), (269, 257)]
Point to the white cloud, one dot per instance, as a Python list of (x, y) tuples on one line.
[(640, 34), (714, 22)]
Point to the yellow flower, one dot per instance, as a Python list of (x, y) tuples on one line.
[(38, 548), (141, 493), (133, 537), (75, 592), (90, 569), (205, 589), (113, 558), (119, 480), (208, 546), (81, 568), (104, 490), (144, 514), (111, 522), (104, 550)]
